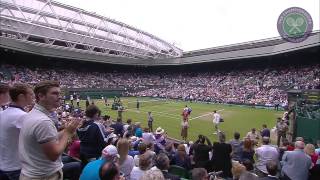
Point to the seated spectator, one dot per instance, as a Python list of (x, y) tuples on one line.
[(272, 168), (92, 139), (162, 162), (160, 141), (236, 145), (181, 158), (237, 169), (147, 136), (142, 148), (110, 171), (125, 161), (145, 162), (199, 174), (91, 170), (155, 174)]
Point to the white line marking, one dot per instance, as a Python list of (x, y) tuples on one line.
[(204, 115)]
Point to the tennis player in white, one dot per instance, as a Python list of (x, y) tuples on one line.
[(216, 121)]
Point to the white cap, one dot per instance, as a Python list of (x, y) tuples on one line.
[(110, 150)]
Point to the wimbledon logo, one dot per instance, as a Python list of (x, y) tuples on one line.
[(295, 24)]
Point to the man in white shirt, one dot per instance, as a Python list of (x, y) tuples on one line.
[(10, 124), (216, 121)]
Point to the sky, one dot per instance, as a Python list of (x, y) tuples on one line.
[(199, 24)]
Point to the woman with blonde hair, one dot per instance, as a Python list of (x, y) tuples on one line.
[(309, 149), (125, 161)]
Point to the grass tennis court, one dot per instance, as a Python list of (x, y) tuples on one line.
[(168, 116)]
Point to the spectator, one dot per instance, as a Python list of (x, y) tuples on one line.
[(265, 132), (236, 145), (10, 124), (199, 174), (248, 151), (91, 170), (296, 164), (201, 152), (155, 174), (40, 146), (162, 163), (92, 139), (264, 154), (142, 148), (272, 168), (125, 161), (181, 158), (282, 128), (118, 127), (4, 95), (253, 136), (145, 163), (160, 141), (221, 156), (110, 171)]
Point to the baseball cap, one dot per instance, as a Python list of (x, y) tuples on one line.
[(110, 150)]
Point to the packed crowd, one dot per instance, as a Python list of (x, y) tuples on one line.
[(40, 139), (260, 87)]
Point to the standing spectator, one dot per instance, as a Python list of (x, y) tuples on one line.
[(296, 164), (236, 145), (201, 152), (264, 154), (181, 158), (40, 145), (248, 151), (150, 121), (282, 128), (91, 136), (253, 136), (4, 95), (221, 156), (10, 124), (310, 150), (142, 148), (125, 161), (265, 132)]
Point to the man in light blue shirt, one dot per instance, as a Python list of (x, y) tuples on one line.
[(296, 164)]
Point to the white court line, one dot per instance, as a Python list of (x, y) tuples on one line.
[(204, 115), (157, 113)]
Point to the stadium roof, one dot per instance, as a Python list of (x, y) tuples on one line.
[(53, 23)]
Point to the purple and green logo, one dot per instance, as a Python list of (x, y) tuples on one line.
[(295, 24)]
